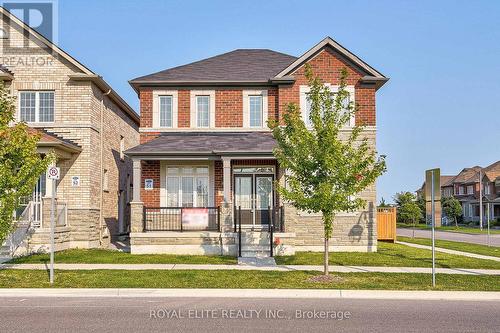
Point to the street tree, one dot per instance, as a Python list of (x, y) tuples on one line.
[(326, 168), (452, 208), (20, 164)]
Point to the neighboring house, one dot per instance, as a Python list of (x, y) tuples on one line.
[(88, 126), (465, 188), (205, 144)]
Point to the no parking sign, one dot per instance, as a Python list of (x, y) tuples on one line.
[(53, 172)]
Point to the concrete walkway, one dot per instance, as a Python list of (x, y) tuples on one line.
[(480, 239), (460, 253), (280, 268)]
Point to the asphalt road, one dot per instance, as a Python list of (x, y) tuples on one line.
[(452, 236), (244, 315)]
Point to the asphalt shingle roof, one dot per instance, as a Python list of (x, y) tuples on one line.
[(252, 65), (207, 144)]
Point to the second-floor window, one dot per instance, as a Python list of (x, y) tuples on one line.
[(470, 189), (166, 111), (305, 104), (461, 190), (202, 111), (36, 106), (255, 109), (486, 189)]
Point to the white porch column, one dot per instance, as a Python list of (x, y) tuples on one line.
[(136, 194), (226, 177), (136, 205)]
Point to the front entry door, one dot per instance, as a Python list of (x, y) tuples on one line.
[(254, 194)]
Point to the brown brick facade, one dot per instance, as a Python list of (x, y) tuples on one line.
[(151, 170), (229, 108)]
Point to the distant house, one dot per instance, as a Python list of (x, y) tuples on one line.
[(465, 188)]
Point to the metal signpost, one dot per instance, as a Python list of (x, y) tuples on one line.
[(432, 194), (52, 173)]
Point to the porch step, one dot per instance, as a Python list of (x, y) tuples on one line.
[(254, 254)]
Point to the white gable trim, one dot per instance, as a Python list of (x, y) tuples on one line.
[(342, 50)]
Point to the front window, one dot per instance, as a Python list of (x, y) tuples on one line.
[(306, 105), (187, 187), (166, 111), (461, 190), (255, 111), (202, 111), (36, 106), (470, 189)]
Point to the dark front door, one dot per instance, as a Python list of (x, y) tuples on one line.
[(254, 194)]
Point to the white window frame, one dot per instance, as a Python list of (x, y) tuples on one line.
[(181, 174), (461, 190), (470, 187), (156, 107), (37, 105), (486, 189), (194, 108), (304, 90), (246, 108)]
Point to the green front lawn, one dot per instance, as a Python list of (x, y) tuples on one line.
[(242, 279), (388, 254), (100, 256), (465, 230), (458, 246)]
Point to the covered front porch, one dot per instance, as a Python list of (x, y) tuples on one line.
[(207, 194), (33, 215)]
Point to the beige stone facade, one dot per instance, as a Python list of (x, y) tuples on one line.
[(88, 115)]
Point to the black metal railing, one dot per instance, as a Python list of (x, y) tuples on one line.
[(181, 219), (275, 223)]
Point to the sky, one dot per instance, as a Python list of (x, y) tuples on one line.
[(439, 109)]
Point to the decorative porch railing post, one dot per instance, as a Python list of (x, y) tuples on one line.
[(271, 237), (235, 219), (144, 219), (218, 218), (181, 220), (239, 231)]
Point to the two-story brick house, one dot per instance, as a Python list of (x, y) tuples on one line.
[(465, 187), (205, 143), (88, 126)]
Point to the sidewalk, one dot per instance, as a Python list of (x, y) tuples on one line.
[(256, 293), (460, 253), (280, 268)]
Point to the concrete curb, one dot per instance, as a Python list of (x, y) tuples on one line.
[(257, 293), (460, 253), (278, 268)]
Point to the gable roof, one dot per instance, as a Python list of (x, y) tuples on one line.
[(467, 175), (492, 171), (98, 80), (329, 42), (251, 67), (242, 65), (446, 180)]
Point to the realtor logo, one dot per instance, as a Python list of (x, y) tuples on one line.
[(38, 15)]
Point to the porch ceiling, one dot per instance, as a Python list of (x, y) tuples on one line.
[(207, 144)]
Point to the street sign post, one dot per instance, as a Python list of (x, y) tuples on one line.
[(433, 193), (54, 174)]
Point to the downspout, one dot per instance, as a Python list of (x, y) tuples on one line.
[(101, 143)]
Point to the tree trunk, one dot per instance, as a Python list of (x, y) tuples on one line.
[(326, 271), (456, 222), (413, 234)]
